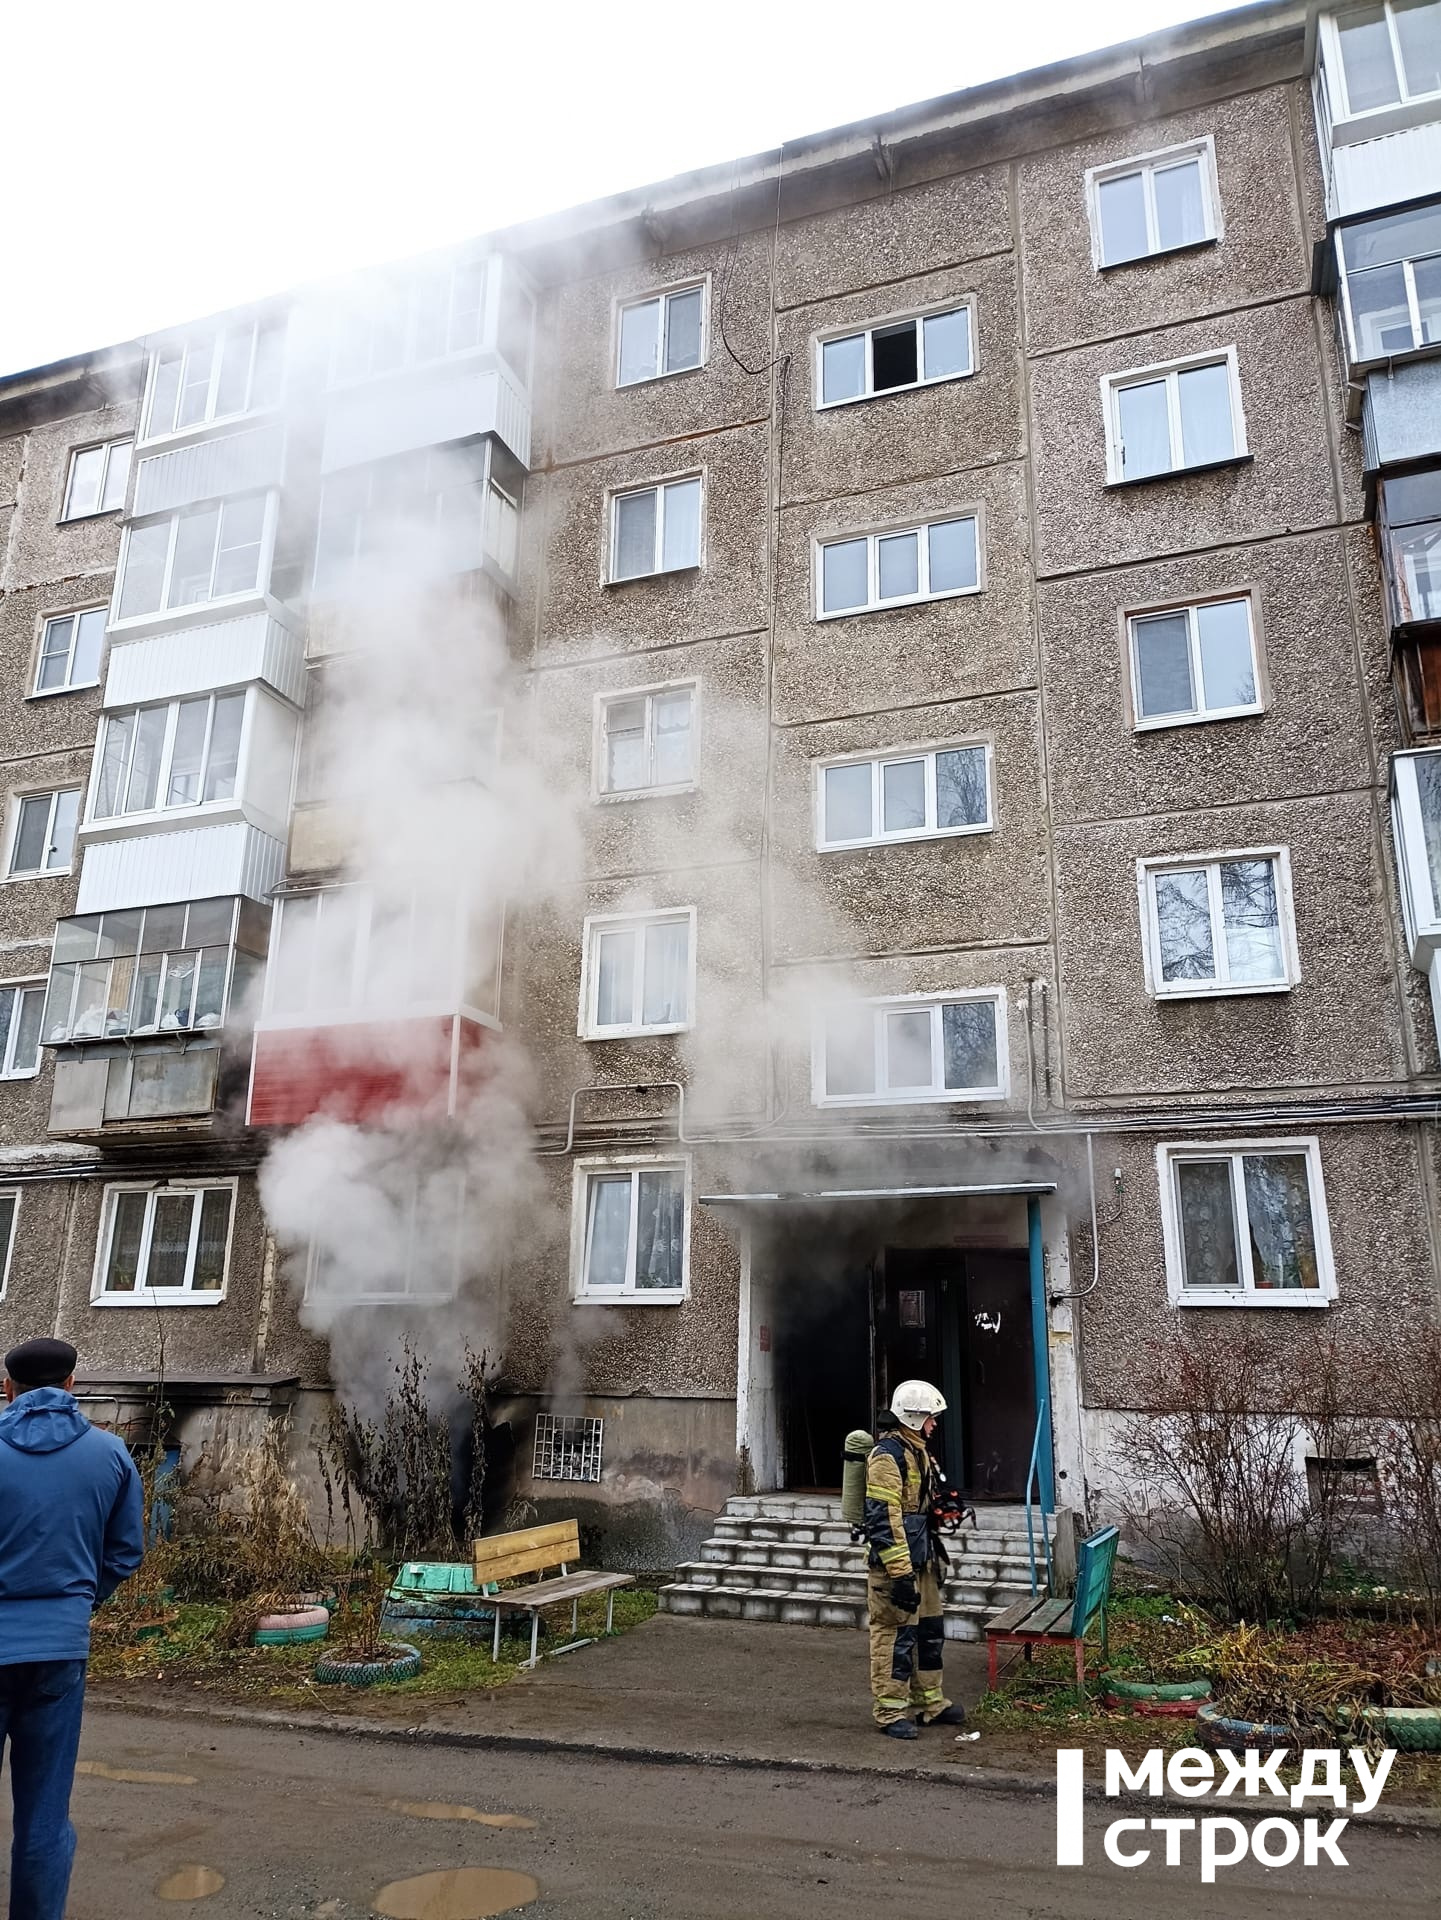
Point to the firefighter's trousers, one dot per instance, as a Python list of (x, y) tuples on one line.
[(906, 1650)]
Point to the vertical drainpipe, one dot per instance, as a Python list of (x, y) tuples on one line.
[(1045, 1463)]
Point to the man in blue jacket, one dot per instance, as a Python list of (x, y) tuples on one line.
[(71, 1530)]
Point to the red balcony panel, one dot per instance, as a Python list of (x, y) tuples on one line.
[(363, 1071)]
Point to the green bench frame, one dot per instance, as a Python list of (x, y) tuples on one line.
[(1048, 1622)]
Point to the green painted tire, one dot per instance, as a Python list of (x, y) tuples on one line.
[(400, 1663), (1408, 1729), (288, 1636), (1155, 1689)]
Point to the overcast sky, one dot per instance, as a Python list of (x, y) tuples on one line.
[(172, 158)]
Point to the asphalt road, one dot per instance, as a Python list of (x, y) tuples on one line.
[(236, 1821)]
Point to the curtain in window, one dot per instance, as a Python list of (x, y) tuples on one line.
[(667, 958), (122, 1267), (1278, 1210), (1206, 429), (607, 1230), (1145, 429), (1180, 212), (1208, 1223), (659, 1230)]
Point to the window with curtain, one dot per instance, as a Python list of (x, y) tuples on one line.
[(1153, 205), (648, 740), (1194, 663), (165, 1244), (633, 1235), (1248, 1222), (1166, 419), (662, 334), (889, 1051), (907, 796), (638, 974)]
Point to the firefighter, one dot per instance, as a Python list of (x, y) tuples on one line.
[(906, 1568)]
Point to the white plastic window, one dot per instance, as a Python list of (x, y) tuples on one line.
[(165, 1245), (22, 1006), (210, 552), (871, 570), (634, 1230), (97, 480), (915, 352), (186, 754), (70, 650), (647, 741), (662, 334), (216, 374), (1220, 925), (9, 1217), (1390, 53), (1166, 419), (655, 530), (639, 974), (912, 1049), (904, 796), (1194, 663), (1246, 1224), (1153, 204), (43, 836)]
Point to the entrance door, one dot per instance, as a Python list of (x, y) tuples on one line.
[(962, 1320), (998, 1391)]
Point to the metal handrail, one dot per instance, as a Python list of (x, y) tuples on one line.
[(1033, 1479)]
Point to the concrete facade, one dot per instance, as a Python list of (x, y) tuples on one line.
[(978, 200)]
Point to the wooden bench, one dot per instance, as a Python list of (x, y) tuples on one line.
[(1047, 1622), (506, 1556)]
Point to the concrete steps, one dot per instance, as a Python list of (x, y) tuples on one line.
[(790, 1558)]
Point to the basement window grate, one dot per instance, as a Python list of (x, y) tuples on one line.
[(567, 1447)]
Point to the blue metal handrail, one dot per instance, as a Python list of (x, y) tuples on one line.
[(1033, 1475)]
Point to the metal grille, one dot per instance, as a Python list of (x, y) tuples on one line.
[(567, 1447)]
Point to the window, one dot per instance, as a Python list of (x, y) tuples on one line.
[(630, 1230), (655, 530), (1219, 924), (1416, 823), (215, 375), (44, 833), (914, 352), (1245, 1224), (1391, 280), (872, 570), (422, 514), (1410, 516), (647, 740), (1390, 53), (912, 1048), (639, 974), (567, 1447), (1153, 204), (186, 754), (162, 1245), (97, 480), (70, 650), (906, 796), (9, 1216), (664, 334), (433, 314), (1194, 663), (346, 949), (1165, 419), (213, 552), (171, 969), (418, 1253), (20, 1009)]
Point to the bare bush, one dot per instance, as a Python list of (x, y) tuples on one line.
[(1409, 1464), (1216, 1457)]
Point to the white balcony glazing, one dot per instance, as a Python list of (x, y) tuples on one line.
[(178, 968)]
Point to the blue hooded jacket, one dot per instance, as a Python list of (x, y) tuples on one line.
[(71, 1525)]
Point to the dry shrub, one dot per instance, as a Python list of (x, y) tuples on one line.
[(1215, 1454), (1409, 1463)]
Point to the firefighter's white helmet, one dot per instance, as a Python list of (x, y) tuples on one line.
[(916, 1401)]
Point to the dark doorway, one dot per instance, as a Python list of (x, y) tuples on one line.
[(823, 1375), (963, 1321)]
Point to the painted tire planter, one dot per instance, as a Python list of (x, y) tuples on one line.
[(1173, 1697), (1216, 1729), (292, 1626), (395, 1661), (1408, 1729)]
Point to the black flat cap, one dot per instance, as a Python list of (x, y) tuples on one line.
[(41, 1363)]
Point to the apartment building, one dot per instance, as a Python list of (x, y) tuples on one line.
[(962, 584)]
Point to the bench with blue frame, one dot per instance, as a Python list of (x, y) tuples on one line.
[(1044, 1621)]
